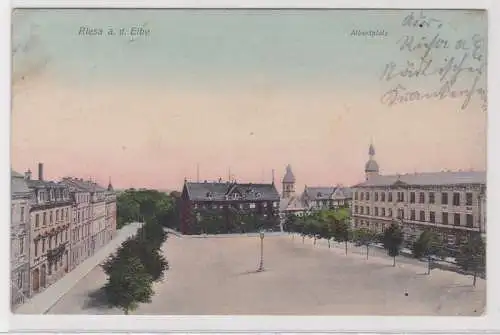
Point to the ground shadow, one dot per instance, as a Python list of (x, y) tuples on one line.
[(96, 299), (250, 272)]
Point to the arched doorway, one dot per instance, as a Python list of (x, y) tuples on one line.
[(43, 279), (36, 280)]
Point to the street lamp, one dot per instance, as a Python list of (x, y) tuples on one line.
[(261, 265)]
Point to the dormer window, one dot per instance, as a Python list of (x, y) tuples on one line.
[(209, 195), (235, 196), (319, 194), (258, 195)]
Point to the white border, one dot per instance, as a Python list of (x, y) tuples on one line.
[(489, 323)]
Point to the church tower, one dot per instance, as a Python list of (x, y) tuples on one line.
[(288, 183), (371, 167)]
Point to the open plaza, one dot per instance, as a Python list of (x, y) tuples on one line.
[(217, 276)]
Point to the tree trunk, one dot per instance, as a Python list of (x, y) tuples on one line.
[(475, 277), (346, 247), (367, 250), (429, 265), (125, 311), (314, 240), (303, 237), (394, 261), (328, 243)]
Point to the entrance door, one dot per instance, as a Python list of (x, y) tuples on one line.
[(36, 280), (43, 279)]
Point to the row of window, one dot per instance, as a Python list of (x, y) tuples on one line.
[(250, 205), (47, 242), (400, 197), (469, 218), (60, 214), (52, 195)]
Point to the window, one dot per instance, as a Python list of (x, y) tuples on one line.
[(20, 280), (362, 195), (22, 214), (456, 220), (21, 245), (444, 198), (445, 218), (43, 245), (401, 197), (389, 195), (367, 210), (367, 196), (361, 210), (456, 199), (50, 242), (412, 215), (432, 217), (468, 201), (412, 197), (50, 269), (66, 235), (376, 210), (37, 220), (36, 248), (390, 212), (422, 197), (431, 198), (55, 265), (469, 220), (383, 210), (422, 216), (355, 195), (401, 213), (356, 209), (382, 196), (376, 196)]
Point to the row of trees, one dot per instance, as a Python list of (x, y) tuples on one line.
[(135, 266), (334, 224), (144, 205)]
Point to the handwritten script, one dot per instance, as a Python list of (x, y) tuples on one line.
[(456, 73)]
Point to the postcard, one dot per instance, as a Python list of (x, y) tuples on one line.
[(320, 162)]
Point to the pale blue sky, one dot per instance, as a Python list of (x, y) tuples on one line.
[(203, 46)]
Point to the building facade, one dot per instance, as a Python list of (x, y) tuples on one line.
[(50, 220), (110, 199), (19, 239), (221, 196), (448, 203)]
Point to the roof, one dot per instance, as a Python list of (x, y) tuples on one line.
[(220, 191), (291, 204), (371, 166), (34, 183), (18, 184), (289, 177), (76, 184), (319, 192), (428, 178)]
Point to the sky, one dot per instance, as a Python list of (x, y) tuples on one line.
[(245, 92)]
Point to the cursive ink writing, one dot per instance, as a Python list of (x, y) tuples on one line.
[(420, 21)]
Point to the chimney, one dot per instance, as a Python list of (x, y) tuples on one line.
[(40, 171), (27, 175)]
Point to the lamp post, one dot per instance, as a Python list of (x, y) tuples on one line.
[(261, 265)]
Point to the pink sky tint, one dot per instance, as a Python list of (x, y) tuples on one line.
[(150, 136)]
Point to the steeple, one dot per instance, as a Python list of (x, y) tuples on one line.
[(288, 183), (371, 167), (110, 186)]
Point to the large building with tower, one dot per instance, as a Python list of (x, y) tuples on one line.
[(450, 203)]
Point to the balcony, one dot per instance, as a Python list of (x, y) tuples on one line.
[(57, 252)]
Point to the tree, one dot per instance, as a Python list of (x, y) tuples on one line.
[(341, 232), (365, 237), (472, 256), (393, 238), (427, 245), (128, 285)]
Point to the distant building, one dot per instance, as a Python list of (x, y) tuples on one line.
[(450, 203), (290, 203), (258, 198), (50, 219), (19, 239)]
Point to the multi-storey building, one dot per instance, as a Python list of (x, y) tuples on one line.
[(449, 203), (50, 219), (110, 212), (19, 239), (92, 225), (313, 198), (82, 220), (261, 199)]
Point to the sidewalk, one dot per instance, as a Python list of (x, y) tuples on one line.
[(42, 302)]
